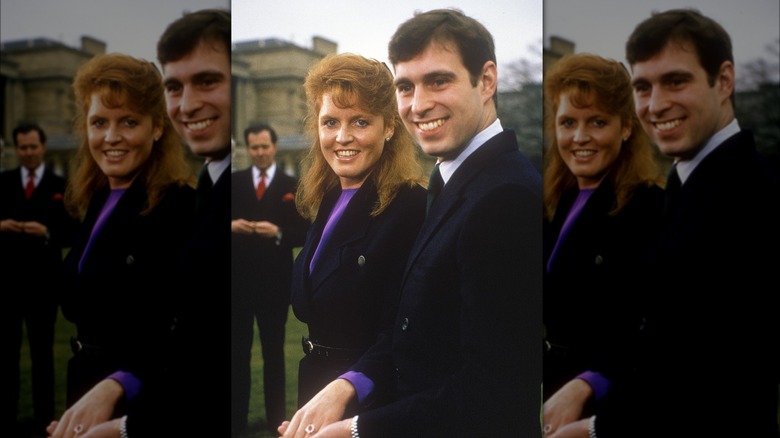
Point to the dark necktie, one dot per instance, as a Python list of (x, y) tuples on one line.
[(673, 188), (435, 184), (30, 187), (261, 185), (204, 186)]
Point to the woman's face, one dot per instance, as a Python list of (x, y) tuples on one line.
[(589, 140), (120, 140), (351, 140)]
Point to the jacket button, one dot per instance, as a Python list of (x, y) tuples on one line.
[(405, 324), (130, 260), (599, 260), (361, 261)]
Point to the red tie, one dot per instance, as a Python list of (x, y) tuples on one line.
[(261, 185), (28, 189)]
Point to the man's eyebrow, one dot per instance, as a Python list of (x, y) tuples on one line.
[(427, 77)]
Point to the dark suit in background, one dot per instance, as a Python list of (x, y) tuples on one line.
[(354, 285), (463, 356), (34, 271), (260, 285), (590, 297), (711, 333)]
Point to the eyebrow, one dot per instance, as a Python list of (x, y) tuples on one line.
[(427, 77), (665, 77), (199, 76)]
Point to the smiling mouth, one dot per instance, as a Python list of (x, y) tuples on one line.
[(115, 153), (666, 126), (428, 126), (197, 126), (582, 153), (346, 154)]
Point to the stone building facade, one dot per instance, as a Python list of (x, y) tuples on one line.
[(268, 80), (36, 78)]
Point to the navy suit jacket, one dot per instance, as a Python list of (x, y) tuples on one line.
[(463, 356), (709, 365), (112, 298), (354, 286), (591, 309), (193, 376)]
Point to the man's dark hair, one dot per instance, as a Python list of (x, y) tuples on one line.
[(257, 128), (183, 35), (711, 42), (474, 42), (25, 127)]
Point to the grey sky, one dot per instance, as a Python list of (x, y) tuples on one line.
[(602, 26), (365, 26), (127, 26)]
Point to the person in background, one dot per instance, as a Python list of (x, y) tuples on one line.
[(34, 230), (462, 356), (265, 229), (603, 207), (361, 187)]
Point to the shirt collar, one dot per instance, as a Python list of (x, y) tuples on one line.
[(38, 172), (269, 174), (216, 167), (686, 167), (448, 168)]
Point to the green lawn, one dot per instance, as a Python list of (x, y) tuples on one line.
[(257, 424)]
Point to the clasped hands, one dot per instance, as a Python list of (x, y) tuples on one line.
[(23, 227), (263, 228)]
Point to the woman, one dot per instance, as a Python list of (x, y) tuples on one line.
[(603, 203), (360, 185), (129, 184)]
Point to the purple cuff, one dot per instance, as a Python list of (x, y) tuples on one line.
[(363, 385), (597, 382), (129, 382)]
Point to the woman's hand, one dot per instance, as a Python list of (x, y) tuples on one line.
[(565, 406), (327, 407), (96, 406)]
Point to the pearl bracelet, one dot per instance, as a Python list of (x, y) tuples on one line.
[(353, 427), (123, 427), (592, 427)]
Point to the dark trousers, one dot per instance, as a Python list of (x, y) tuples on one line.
[(39, 316), (271, 319)]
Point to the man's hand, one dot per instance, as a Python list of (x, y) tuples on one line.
[(242, 226), (109, 429), (96, 406), (578, 429), (35, 228), (11, 226), (327, 407)]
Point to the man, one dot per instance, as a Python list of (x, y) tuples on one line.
[(265, 228), (463, 356), (186, 393), (34, 228), (707, 364)]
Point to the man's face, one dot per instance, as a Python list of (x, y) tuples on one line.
[(197, 92), (261, 149), (675, 102), (30, 149), (437, 102)]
